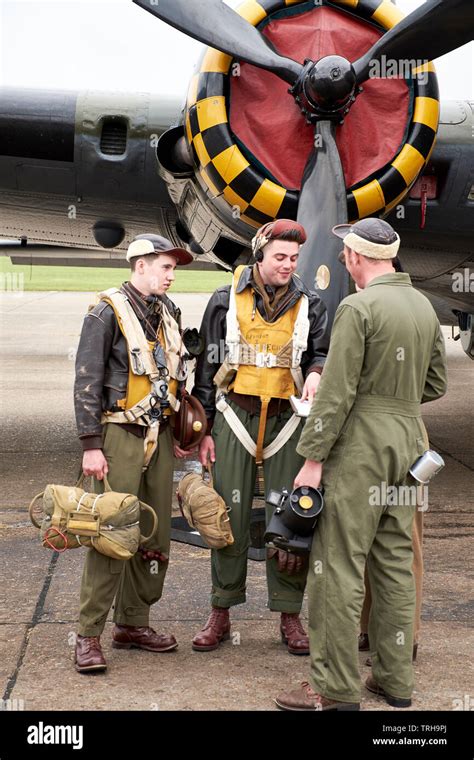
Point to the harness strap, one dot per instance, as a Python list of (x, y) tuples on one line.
[(150, 443), (140, 355), (243, 436), (297, 375), (249, 356), (261, 429), (134, 415), (260, 475), (301, 331), (232, 338), (236, 425), (283, 436)]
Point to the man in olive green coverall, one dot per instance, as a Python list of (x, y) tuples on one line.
[(363, 434)]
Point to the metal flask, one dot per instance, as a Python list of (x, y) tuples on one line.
[(427, 466), (293, 522)]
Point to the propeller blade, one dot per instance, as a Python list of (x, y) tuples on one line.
[(215, 24), (433, 29), (322, 205)]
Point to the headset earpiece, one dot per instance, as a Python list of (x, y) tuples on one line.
[(260, 240)]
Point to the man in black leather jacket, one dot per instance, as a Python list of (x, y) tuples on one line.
[(213, 330), (268, 296), (102, 364)]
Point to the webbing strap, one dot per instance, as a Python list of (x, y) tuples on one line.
[(242, 434), (298, 379), (236, 425), (301, 331), (232, 337), (140, 354), (262, 425), (134, 415), (150, 443), (283, 436)]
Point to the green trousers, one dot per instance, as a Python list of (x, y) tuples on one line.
[(234, 480), (135, 584), (346, 534)]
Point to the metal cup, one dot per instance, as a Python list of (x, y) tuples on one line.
[(427, 466)]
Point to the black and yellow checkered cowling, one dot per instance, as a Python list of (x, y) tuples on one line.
[(229, 177)]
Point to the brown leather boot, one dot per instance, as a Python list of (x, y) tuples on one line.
[(372, 685), (293, 634), (88, 655), (217, 629), (304, 698), (142, 637)]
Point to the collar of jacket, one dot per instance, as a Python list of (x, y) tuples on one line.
[(296, 284), (395, 278)]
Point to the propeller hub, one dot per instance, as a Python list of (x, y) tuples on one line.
[(326, 89), (331, 82)]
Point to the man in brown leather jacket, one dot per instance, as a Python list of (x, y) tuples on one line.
[(110, 394), (267, 300)]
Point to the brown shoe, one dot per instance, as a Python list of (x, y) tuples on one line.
[(364, 645), (304, 698), (293, 634), (88, 657), (138, 637), (372, 685), (217, 629)]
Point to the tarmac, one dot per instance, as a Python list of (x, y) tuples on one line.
[(39, 592)]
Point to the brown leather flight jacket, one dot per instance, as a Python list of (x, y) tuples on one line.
[(102, 364)]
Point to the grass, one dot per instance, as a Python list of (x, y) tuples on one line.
[(14, 278)]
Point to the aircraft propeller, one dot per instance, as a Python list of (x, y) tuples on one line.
[(325, 91)]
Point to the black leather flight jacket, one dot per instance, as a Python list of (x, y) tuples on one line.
[(213, 330), (102, 366)]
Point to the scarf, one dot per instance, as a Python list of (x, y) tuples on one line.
[(273, 298)]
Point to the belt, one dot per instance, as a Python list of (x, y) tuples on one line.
[(253, 404), (387, 405)]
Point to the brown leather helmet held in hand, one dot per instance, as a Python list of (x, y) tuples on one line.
[(190, 423)]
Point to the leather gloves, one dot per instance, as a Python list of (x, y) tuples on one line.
[(288, 563)]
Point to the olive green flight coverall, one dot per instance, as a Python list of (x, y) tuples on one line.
[(386, 358)]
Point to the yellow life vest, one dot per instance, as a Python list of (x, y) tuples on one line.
[(266, 355), (141, 365), (139, 386)]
